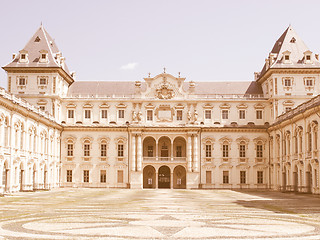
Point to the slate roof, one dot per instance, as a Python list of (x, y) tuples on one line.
[(127, 88), (290, 41), (41, 40)]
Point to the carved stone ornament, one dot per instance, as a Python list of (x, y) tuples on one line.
[(164, 92)]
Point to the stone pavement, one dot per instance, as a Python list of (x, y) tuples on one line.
[(158, 214)]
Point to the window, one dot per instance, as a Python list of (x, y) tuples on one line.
[(43, 56), (225, 114), (42, 81), (150, 151), (86, 148), (22, 81), (70, 150), (242, 177), (208, 151), (242, 150), (23, 56), (103, 176), (179, 151), (208, 177), (149, 115), (87, 113), (120, 176), (104, 113), (259, 114), (42, 108), (287, 82), (308, 57), (69, 175), (103, 149), (259, 151), (120, 150), (179, 115), (260, 177), (86, 176), (207, 114), (121, 113), (70, 113), (286, 57), (242, 114), (287, 109), (225, 178), (309, 82), (225, 150)]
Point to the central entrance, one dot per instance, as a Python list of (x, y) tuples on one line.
[(164, 177)]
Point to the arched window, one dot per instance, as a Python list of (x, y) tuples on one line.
[(103, 148), (295, 138), (70, 148), (225, 149), (242, 149), (86, 148), (259, 149), (21, 136), (6, 132), (309, 139), (315, 135)]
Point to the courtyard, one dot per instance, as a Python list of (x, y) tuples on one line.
[(68, 213)]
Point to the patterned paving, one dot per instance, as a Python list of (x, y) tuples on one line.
[(158, 214)]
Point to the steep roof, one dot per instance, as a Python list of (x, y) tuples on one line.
[(103, 88), (41, 40), (289, 41)]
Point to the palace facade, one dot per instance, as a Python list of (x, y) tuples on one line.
[(162, 132)]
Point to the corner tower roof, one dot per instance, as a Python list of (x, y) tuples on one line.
[(289, 43)]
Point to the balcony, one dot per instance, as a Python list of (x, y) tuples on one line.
[(243, 160), (164, 159), (260, 159)]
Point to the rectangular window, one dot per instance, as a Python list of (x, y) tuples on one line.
[(103, 150), (179, 151), (103, 176), (259, 114), (149, 115), (242, 151), (120, 150), (225, 114), (208, 151), (208, 177), (242, 114), (309, 82), (43, 56), (86, 150), (43, 108), (288, 109), (70, 113), (42, 81), (308, 57), (225, 150), (104, 113), (23, 56), (225, 177), (242, 177), (87, 114), (70, 150), (286, 57), (287, 82), (260, 177), (259, 151), (69, 175), (179, 115), (150, 151), (120, 176), (86, 176), (22, 82), (207, 114), (121, 113)]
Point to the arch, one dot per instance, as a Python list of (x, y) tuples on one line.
[(164, 177), (179, 147), (149, 147), (164, 148), (179, 177), (149, 177)]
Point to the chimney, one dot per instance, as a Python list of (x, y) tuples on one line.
[(14, 55)]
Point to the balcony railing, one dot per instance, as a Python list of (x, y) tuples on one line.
[(164, 159)]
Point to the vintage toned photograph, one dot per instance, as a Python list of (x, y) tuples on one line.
[(160, 119)]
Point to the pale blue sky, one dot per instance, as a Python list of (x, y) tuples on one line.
[(205, 40)]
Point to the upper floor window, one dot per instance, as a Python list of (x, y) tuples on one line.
[(43, 56), (70, 113), (70, 149), (104, 113), (42, 81), (149, 115), (120, 150), (23, 56), (87, 113), (208, 151), (259, 114), (86, 148), (22, 81), (150, 151), (259, 150), (42, 107), (121, 113), (287, 57), (225, 114), (242, 114), (225, 150), (207, 114), (179, 115), (178, 151), (242, 150), (103, 147), (287, 109), (309, 82)]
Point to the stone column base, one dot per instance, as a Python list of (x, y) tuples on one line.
[(193, 180), (136, 180)]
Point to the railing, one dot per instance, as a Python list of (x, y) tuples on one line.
[(164, 159), (231, 96)]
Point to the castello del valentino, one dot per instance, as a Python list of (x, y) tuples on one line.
[(161, 132)]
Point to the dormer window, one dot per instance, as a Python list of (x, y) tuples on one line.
[(307, 56), (23, 56), (293, 40), (286, 57), (43, 56)]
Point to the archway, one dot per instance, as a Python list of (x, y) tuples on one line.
[(164, 149), (295, 179), (309, 179), (179, 148), (179, 177), (149, 177), (164, 177), (149, 148), (21, 176)]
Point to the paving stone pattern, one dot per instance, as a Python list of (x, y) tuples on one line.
[(158, 214)]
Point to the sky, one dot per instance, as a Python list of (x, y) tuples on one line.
[(205, 40)]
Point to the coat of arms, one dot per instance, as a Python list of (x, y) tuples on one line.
[(164, 92)]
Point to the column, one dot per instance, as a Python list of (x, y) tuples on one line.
[(172, 151), (157, 152), (133, 145), (139, 155), (189, 153), (157, 179), (195, 153)]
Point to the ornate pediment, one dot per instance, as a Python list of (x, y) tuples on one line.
[(165, 92)]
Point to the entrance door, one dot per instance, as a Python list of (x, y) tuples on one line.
[(149, 177), (295, 181), (179, 177), (164, 177)]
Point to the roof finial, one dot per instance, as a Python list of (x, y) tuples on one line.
[(149, 74), (179, 74), (164, 70), (41, 25)]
